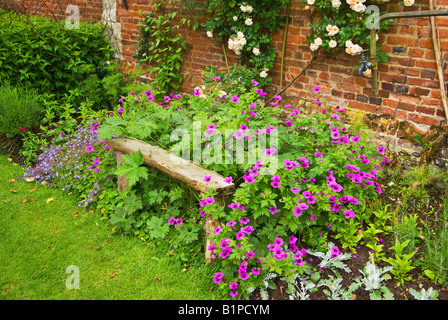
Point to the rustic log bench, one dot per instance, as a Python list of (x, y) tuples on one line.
[(177, 168)]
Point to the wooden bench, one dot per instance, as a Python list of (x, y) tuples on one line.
[(177, 168)]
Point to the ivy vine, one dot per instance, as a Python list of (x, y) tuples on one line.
[(161, 48)]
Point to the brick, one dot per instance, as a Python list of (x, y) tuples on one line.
[(323, 76), (417, 53), (361, 98), (425, 110), (362, 106), (406, 106), (409, 99), (419, 91), (390, 111), (416, 82), (435, 94), (337, 93), (431, 121), (402, 89), (399, 50), (427, 64), (375, 100), (341, 70), (431, 84), (319, 66), (381, 93), (335, 78), (425, 43), (429, 74), (388, 86), (392, 78), (441, 113), (402, 61), (441, 21), (385, 48), (408, 30), (349, 96), (401, 41), (432, 102)]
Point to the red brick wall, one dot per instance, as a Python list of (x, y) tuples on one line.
[(90, 10), (419, 104)]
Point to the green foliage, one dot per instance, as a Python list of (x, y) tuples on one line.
[(237, 79), (39, 53), (429, 294), (247, 29), (20, 110), (343, 25), (407, 229), (336, 291), (373, 276), (402, 263), (436, 248), (56, 124), (161, 47), (132, 168)]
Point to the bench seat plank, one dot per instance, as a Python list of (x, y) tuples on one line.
[(177, 168)]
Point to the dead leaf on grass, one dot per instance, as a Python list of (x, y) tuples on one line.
[(13, 191), (32, 190), (49, 200)]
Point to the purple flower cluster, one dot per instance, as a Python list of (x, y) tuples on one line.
[(249, 177), (60, 161), (364, 178), (210, 130), (90, 196), (332, 182), (279, 253), (207, 201), (335, 252), (173, 220), (309, 187), (68, 163)]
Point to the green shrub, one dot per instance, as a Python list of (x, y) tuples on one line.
[(38, 52), (20, 110)]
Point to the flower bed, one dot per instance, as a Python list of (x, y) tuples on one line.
[(303, 180)]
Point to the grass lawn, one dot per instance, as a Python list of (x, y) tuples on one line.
[(39, 239)]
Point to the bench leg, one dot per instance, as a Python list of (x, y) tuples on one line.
[(122, 181), (209, 226)]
